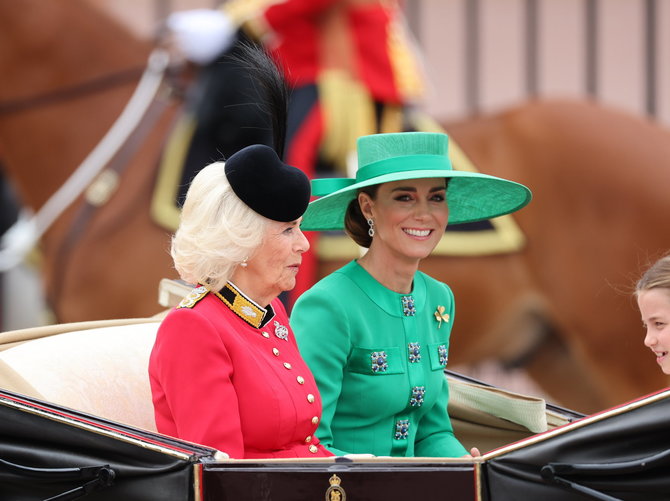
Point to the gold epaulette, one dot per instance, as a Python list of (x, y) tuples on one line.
[(193, 297)]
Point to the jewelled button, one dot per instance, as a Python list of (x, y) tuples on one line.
[(378, 361), (442, 354), (315, 420), (402, 429), (414, 350), (287, 365), (408, 308), (265, 335), (418, 392), (275, 352), (313, 449), (310, 398), (300, 379), (308, 439)]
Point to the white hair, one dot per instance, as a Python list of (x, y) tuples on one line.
[(217, 231)]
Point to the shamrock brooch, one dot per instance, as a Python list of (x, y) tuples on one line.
[(440, 315)]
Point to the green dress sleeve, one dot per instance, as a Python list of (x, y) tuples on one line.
[(435, 436), (315, 319)]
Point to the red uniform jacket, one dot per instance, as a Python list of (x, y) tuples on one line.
[(366, 39), (219, 381)]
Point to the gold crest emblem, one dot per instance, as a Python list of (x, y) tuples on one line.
[(335, 492)]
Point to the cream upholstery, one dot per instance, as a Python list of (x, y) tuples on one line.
[(101, 371)]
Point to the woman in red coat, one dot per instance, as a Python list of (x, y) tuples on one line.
[(225, 370)]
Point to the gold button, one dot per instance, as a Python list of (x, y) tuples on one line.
[(310, 398), (315, 420), (275, 351), (287, 365), (266, 335), (300, 379), (308, 439), (313, 449)]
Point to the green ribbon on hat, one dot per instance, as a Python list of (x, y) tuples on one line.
[(409, 163), (406, 163), (327, 185)]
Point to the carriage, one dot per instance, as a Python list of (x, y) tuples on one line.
[(76, 421), (75, 408)]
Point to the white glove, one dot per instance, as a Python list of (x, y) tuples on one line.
[(201, 34)]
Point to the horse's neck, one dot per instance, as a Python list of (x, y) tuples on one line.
[(50, 46)]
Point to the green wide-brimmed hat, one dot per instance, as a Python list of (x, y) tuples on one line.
[(382, 158)]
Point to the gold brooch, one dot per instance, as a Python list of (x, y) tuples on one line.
[(441, 315)]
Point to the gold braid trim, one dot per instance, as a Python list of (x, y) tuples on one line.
[(241, 305)]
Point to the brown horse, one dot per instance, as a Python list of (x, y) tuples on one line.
[(560, 306)]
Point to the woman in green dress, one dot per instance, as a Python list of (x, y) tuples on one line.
[(375, 333)]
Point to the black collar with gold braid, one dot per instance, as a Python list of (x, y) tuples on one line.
[(244, 307)]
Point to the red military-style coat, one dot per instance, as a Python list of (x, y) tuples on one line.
[(227, 373), (365, 39)]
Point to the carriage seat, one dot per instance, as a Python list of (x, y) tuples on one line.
[(101, 370)]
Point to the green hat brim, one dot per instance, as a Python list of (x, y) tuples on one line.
[(471, 196)]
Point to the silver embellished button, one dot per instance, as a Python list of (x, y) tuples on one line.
[(418, 392), (402, 429), (442, 354), (408, 308), (310, 398), (275, 352), (300, 379), (414, 350), (287, 365), (378, 361)]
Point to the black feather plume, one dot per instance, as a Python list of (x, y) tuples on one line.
[(271, 89)]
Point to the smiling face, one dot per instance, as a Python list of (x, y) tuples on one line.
[(654, 307), (274, 266), (409, 217)]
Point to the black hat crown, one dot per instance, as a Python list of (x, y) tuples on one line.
[(267, 185)]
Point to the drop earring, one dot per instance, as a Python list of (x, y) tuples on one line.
[(243, 264), (371, 231)]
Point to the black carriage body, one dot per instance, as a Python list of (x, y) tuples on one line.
[(47, 450), (354, 480), (619, 454)]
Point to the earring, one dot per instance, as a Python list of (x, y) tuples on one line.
[(243, 264), (371, 231)]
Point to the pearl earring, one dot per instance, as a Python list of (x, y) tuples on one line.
[(371, 231), (243, 264)]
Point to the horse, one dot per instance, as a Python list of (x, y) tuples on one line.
[(559, 305)]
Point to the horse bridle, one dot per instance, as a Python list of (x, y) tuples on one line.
[(68, 93), (25, 233)]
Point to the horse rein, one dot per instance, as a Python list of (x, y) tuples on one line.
[(29, 228), (80, 90)]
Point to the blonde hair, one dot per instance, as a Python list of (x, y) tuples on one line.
[(217, 231), (657, 276)]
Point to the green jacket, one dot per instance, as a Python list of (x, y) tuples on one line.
[(378, 359)]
